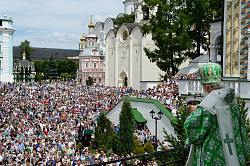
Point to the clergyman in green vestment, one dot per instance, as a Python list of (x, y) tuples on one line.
[(216, 129)]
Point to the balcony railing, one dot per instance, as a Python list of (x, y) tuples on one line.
[(189, 87), (174, 157)]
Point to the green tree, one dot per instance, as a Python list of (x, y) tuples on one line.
[(112, 143), (244, 112), (25, 47), (199, 14), (139, 149), (126, 18), (89, 81), (178, 125), (64, 76), (50, 70), (61, 66), (103, 131), (148, 147), (39, 67), (169, 29), (38, 77), (71, 66), (126, 130)]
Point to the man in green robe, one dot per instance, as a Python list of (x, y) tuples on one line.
[(216, 129)]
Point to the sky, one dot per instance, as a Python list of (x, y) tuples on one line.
[(56, 23)]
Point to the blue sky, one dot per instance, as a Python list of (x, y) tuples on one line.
[(56, 23)]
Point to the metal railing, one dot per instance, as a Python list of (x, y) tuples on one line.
[(165, 157)]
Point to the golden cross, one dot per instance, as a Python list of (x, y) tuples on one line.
[(214, 12)]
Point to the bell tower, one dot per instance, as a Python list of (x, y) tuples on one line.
[(6, 49)]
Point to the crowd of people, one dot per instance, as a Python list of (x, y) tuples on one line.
[(39, 122), (192, 76)]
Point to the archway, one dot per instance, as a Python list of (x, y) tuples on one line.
[(123, 80)]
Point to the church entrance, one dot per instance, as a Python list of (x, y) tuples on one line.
[(123, 80)]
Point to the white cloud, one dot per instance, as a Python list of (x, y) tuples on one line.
[(59, 21), (30, 31), (99, 18), (61, 37)]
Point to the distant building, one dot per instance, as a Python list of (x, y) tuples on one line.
[(45, 53), (91, 60), (6, 49)]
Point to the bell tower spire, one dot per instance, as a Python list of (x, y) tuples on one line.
[(91, 26)]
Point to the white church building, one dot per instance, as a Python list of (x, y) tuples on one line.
[(6, 49), (126, 63)]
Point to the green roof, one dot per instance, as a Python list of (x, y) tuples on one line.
[(155, 102), (138, 116)]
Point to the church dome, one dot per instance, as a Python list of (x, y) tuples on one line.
[(24, 64), (82, 39), (91, 23)]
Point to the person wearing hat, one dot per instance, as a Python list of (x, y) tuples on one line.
[(215, 128)]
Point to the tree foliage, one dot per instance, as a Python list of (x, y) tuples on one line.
[(244, 113), (126, 130), (148, 147), (50, 70), (103, 131), (65, 68), (178, 125), (25, 47), (39, 67), (169, 29), (126, 18), (199, 13), (112, 143), (139, 149)]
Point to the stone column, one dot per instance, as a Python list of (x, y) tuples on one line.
[(213, 53), (235, 42), (106, 63), (130, 82), (248, 43), (228, 41), (116, 77)]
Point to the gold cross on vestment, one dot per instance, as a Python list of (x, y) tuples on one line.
[(228, 141)]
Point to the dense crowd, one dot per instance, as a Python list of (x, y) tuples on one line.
[(191, 76), (39, 122)]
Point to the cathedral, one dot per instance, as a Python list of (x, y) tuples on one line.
[(126, 63), (91, 60), (6, 49)]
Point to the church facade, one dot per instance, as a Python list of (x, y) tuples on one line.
[(91, 60), (6, 49), (126, 63)]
